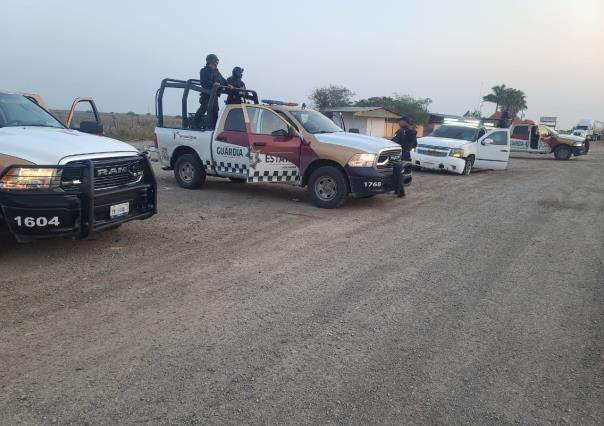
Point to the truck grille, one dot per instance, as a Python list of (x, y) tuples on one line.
[(388, 157), (108, 173), (432, 152)]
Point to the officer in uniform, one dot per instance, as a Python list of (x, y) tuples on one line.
[(406, 137), (235, 80), (210, 77)]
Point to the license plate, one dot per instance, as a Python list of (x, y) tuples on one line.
[(119, 210)]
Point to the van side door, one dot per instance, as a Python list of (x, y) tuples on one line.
[(493, 150), (274, 154)]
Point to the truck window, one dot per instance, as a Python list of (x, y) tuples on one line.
[(520, 132), (499, 138), (234, 121), (265, 122)]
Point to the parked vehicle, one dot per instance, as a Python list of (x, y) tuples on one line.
[(594, 129), (540, 139), (55, 181), (274, 142), (458, 146)]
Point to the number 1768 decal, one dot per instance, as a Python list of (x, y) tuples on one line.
[(369, 184)]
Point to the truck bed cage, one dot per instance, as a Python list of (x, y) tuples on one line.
[(247, 96)]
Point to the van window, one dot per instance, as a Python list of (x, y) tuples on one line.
[(234, 121)]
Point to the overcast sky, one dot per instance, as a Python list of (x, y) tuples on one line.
[(449, 51)]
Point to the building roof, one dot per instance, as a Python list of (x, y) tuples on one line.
[(376, 111)]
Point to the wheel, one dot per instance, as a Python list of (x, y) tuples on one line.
[(328, 187), (189, 171), (563, 152), (468, 167), (238, 180), (587, 144)]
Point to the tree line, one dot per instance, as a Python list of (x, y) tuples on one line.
[(505, 99)]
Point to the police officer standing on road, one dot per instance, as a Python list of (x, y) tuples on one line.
[(236, 81), (210, 77), (406, 137)]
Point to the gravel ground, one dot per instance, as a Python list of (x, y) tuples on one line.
[(475, 300)]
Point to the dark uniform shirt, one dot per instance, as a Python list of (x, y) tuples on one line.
[(209, 76), (406, 137)]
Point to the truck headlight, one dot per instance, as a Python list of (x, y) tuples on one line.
[(362, 160), (30, 178), (456, 152)]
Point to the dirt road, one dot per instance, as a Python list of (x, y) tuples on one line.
[(475, 300)]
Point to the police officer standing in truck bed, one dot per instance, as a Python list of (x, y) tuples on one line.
[(210, 77), (235, 80)]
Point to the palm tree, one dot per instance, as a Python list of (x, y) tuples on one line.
[(513, 101), (497, 96)]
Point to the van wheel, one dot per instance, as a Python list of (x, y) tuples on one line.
[(237, 180), (468, 167), (563, 152), (328, 187), (189, 171)]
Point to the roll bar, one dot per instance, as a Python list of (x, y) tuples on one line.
[(248, 96)]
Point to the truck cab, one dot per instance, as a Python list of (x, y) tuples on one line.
[(279, 143), (459, 146), (55, 181), (541, 139)]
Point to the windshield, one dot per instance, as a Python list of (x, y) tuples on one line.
[(582, 127), (17, 110), (456, 132), (315, 122)]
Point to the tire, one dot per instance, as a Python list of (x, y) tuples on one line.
[(468, 167), (237, 180), (328, 187), (563, 152), (189, 171)]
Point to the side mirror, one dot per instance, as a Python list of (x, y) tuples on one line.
[(487, 141), (91, 127)]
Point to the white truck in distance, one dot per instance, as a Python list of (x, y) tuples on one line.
[(458, 146), (592, 130)]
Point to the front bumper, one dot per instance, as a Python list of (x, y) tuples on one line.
[(579, 150), (38, 214), (449, 164), (369, 180)]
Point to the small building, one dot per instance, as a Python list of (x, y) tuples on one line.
[(372, 121)]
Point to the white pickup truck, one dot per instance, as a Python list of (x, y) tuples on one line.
[(55, 181), (277, 142), (460, 145)]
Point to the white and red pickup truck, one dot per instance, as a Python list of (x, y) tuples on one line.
[(276, 142)]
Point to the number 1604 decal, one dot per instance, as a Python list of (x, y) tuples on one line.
[(37, 222)]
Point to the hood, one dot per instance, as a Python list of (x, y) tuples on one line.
[(441, 142), (572, 138), (362, 143), (45, 145)]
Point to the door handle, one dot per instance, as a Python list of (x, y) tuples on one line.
[(503, 150), (221, 138), (259, 143)]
